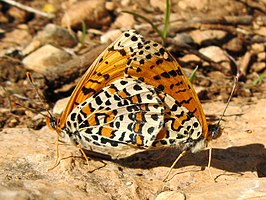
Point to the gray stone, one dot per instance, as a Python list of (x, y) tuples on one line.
[(54, 35)]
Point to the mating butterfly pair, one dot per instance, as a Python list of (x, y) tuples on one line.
[(135, 93)]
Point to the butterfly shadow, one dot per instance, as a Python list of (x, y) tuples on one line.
[(239, 159)]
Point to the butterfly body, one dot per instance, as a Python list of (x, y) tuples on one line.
[(134, 94)]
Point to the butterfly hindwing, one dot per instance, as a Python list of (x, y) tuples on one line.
[(108, 67), (125, 112), (157, 67)]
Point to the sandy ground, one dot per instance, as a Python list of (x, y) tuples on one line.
[(238, 165)]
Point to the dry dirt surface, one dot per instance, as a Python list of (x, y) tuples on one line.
[(223, 37), (238, 166)]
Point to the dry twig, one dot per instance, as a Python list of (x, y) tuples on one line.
[(27, 8), (74, 68)]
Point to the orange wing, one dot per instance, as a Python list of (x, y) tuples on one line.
[(108, 67), (163, 72)]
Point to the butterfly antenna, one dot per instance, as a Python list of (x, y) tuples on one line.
[(235, 70), (40, 97), (229, 99), (31, 109)]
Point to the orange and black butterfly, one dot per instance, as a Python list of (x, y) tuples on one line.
[(135, 93)]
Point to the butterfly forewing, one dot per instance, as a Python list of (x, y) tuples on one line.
[(108, 67), (157, 67)]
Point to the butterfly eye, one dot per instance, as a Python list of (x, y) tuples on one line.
[(51, 122), (215, 131)]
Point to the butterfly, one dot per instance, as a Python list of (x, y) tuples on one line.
[(134, 94)]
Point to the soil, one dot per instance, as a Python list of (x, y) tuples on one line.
[(238, 156)]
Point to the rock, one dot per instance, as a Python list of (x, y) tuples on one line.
[(184, 38), (91, 12), (193, 4), (182, 5), (258, 47), (235, 189), (13, 194), (17, 37), (110, 6), (215, 53), (13, 122), (124, 21), (125, 3), (260, 20), (171, 195), (18, 14), (261, 56), (45, 57), (3, 18), (234, 45), (208, 36), (110, 36), (26, 175), (60, 106), (190, 58), (216, 75), (258, 67), (54, 35), (26, 156), (261, 31)]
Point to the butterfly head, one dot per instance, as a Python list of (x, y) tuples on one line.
[(215, 131), (64, 134), (53, 123)]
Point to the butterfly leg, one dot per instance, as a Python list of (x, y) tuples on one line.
[(84, 155), (178, 158), (209, 164), (57, 154)]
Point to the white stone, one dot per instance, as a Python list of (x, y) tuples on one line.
[(92, 12), (124, 21), (215, 53), (184, 38), (257, 47), (60, 105), (261, 56), (45, 57), (110, 36), (207, 36), (258, 66), (190, 58), (110, 6), (261, 31)]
